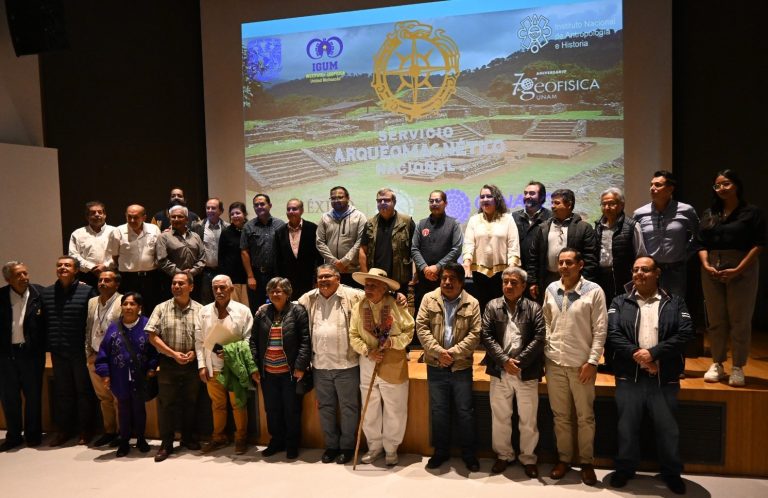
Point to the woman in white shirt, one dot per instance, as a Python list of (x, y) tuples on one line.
[(491, 244)]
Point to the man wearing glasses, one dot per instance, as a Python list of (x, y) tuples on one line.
[(339, 233), (257, 248), (436, 241), (648, 329), (621, 241), (669, 231), (296, 255), (563, 229), (386, 242)]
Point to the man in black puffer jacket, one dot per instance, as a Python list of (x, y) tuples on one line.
[(65, 312), (647, 332)]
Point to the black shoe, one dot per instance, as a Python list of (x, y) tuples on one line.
[(105, 439), (124, 449), (620, 477), (10, 444), (330, 455), (191, 445), (437, 460), (292, 453), (142, 445), (675, 484), (472, 464), (345, 456), (33, 442), (115, 442), (272, 450)]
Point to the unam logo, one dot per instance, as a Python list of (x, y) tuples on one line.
[(264, 58), (534, 32)]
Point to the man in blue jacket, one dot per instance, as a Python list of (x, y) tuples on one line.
[(647, 332)]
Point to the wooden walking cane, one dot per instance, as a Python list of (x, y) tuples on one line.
[(362, 415)]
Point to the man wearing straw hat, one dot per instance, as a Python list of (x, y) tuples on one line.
[(379, 331)]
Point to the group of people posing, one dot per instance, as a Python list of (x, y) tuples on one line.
[(295, 306)]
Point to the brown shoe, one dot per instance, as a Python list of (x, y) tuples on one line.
[(59, 439), (559, 470), (212, 446), (162, 454), (84, 439), (241, 447), (588, 476), (531, 470), (499, 466)]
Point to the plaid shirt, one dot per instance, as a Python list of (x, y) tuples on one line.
[(175, 326)]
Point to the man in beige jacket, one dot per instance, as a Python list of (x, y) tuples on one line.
[(102, 311), (448, 326)]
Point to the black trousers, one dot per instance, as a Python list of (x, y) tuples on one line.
[(179, 386), (73, 396), (22, 372), (283, 407)]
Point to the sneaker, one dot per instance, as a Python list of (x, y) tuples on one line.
[(391, 459), (372, 456), (737, 377), (716, 373)]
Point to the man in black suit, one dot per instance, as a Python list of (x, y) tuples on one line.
[(296, 255), (22, 356)]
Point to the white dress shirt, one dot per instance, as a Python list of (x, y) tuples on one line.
[(19, 308), (89, 247), (135, 252)]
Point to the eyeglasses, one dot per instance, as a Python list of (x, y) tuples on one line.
[(435, 201), (721, 185), (609, 204), (642, 269)]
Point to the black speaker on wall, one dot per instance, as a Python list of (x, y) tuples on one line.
[(36, 26)]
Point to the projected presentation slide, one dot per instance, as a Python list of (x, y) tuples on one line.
[(445, 95)]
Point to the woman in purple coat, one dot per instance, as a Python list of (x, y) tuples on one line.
[(122, 375)]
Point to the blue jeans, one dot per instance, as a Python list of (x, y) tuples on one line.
[(632, 399), (445, 386)]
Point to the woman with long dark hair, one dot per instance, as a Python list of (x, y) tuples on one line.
[(491, 244), (732, 235), (126, 361)]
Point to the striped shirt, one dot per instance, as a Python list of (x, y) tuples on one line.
[(275, 361)]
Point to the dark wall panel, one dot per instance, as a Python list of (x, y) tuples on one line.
[(719, 96), (124, 106)]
